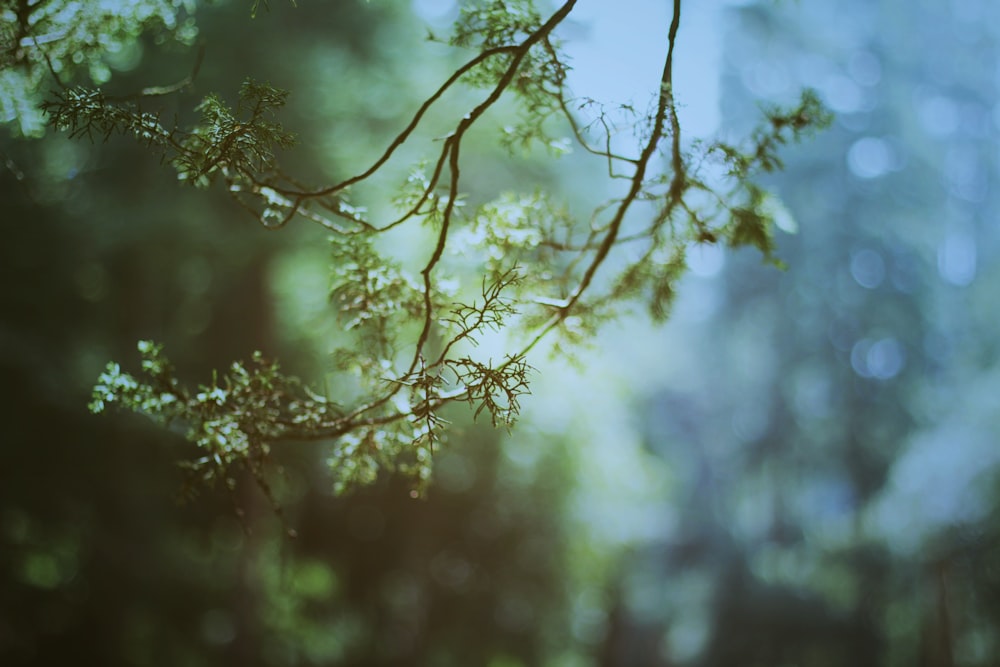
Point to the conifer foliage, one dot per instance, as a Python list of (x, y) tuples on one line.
[(521, 260)]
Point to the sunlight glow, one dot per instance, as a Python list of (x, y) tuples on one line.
[(607, 72)]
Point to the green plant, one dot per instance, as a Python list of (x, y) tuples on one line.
[(412, 333)]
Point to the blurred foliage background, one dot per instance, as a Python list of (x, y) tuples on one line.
[(800, 468)]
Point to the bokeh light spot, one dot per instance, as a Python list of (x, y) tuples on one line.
[(870, 157), (867, 268), (957, 259), (881, 359)]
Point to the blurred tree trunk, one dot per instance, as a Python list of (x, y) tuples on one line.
[(935, 635), (246, 322)]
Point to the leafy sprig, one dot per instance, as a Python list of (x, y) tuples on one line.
[(412, 335)]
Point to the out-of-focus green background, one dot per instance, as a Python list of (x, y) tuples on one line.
[(800, 468)]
